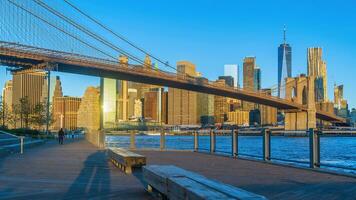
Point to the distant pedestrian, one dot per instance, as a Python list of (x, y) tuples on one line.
[(60, 136)]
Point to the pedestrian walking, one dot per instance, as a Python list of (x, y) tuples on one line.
[(60, 136)]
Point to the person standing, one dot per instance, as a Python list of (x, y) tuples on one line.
[(60, 136)]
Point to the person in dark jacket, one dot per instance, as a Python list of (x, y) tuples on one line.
[(60, 136)]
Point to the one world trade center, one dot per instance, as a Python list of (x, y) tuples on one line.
[(284, 64)]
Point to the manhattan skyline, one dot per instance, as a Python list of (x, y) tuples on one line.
[(203, 40)]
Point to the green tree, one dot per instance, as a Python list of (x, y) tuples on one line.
[(25, 111), (39, 116), (14, 116), (4, 114)]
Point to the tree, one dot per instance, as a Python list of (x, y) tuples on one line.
[(25, 111), (39, 116), (14, 116), (4, 114)]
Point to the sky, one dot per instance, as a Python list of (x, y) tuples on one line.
[(213, 33)]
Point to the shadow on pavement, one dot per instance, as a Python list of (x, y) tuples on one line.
[(93, 180)]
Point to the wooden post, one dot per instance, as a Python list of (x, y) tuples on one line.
[(266, 144), (212, 141), (235, 143), (132, 140), (314, 148), (196, 141), (162, 140)]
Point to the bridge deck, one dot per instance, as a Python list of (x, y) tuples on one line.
[(78, 170)]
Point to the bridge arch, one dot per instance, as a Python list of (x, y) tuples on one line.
[(304, 96), (294, 92)]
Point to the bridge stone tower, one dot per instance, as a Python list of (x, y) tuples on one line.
[(300, 90)]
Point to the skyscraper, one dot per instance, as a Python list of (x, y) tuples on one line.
[(108, 95), (182, 104), (338, 95), (249, 66), (65, 112), (284, 64), (232, 70), (221, 106), (257, 79), (317, 68), (7, 95), (340, 104), (28, 85), (229, 80)]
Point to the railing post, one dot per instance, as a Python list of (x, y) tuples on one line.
[(162, 140), (314, 148), (212, 141), (21, 144), (235, 143), (266, 144), (196, 141), (132, 140)]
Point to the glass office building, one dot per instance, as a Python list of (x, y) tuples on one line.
[(257, 79), (232, 70), (108, 90)]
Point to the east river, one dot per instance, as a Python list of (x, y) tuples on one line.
[(338, 151)]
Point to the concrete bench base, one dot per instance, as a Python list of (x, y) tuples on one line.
[(176, 183), (126, 160)]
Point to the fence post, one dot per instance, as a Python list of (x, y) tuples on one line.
[(314, 148), (196, 141), (163, 140), (132, 140), (21, 143), (235, 143), (212, 141), (266, 144)]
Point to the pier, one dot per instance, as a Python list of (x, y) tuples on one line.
[(78, 170)]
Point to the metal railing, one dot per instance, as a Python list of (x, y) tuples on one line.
[(208, 141), (266, 134), (21, 138)]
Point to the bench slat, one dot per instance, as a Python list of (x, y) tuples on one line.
[(186, 188), (167, 178), (125, 159)]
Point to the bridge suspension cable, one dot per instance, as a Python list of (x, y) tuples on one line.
[(88, 32), (59, 29), (118, 35)]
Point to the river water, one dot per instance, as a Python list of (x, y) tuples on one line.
[(338, 151)]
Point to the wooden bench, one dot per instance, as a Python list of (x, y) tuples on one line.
[(126, 160), (176, 183)]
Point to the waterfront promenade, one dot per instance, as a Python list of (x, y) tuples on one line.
[(78, 170)]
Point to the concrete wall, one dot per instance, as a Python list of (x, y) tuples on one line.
[(96, 137)]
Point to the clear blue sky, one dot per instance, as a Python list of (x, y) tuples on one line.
[(213, 33)]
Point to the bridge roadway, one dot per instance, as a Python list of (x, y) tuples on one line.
[(26, 57), (78, 170)]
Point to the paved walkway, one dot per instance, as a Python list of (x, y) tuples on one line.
[(72, 171), (272, 181), (79, 171)]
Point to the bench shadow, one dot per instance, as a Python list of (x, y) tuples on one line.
[(93, 180)]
